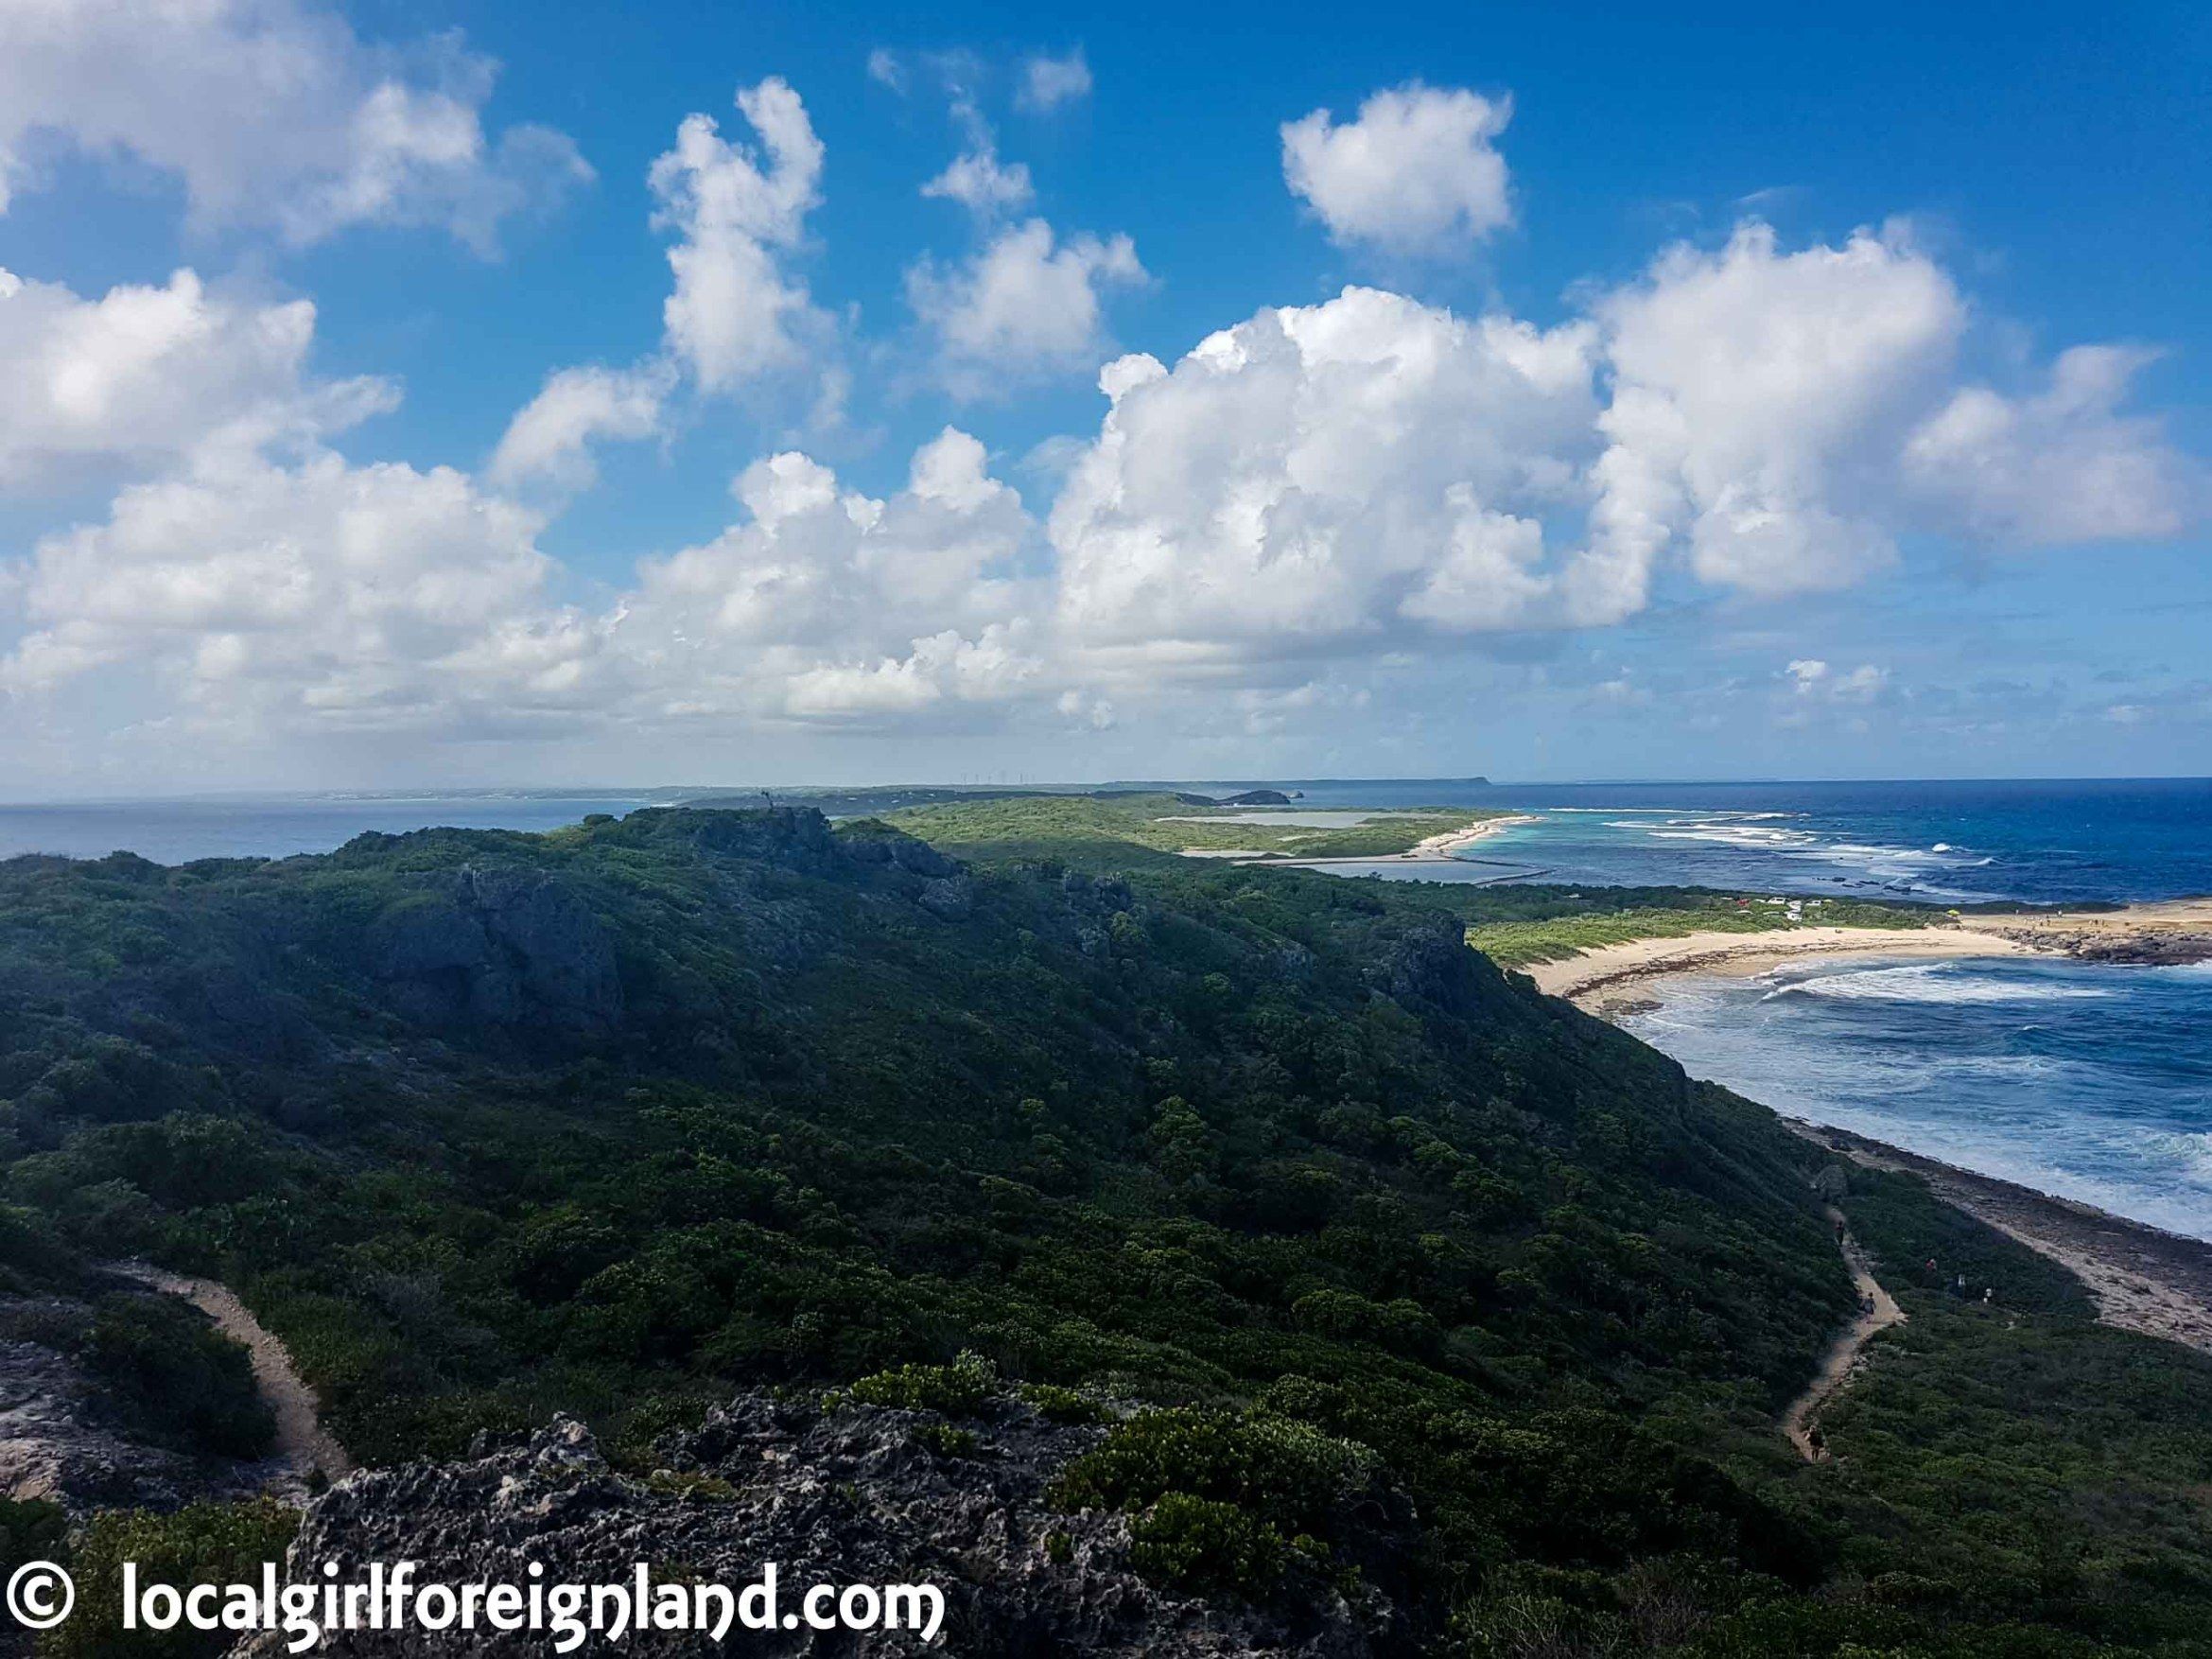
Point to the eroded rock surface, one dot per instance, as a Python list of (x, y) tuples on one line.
[(857, 1495)]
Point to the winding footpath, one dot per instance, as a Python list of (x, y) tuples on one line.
[(303, 1444), (1878, 1312)]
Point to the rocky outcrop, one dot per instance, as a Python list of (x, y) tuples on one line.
[(2148, 949), (1430, 964), (499, 946), (854, 1494)]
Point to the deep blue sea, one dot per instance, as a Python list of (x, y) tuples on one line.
[(178, 831), (2084, 1079), (2091, 1081), (1940, 842)]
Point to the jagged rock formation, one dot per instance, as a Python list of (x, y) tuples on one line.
[(855, 1494), (498, 945)]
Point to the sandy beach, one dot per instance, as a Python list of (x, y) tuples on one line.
[(1434, 849), (2176, 931)]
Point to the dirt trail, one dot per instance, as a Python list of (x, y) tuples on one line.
[(303, 1444), (2154, 1282), (1879, 1311)]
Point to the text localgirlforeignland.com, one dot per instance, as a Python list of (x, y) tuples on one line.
[(392, 1599)]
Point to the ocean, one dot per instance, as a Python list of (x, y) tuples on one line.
[(2087, 1080), (178, 831), (1950, 843)]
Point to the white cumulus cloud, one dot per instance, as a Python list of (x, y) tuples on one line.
[(318, 594), (270, 112), (1048, 82), (736, 312), (1416, 174), (828, 604), (2062, 464), (1353, 475), (145, 375), (1758, 400), (982, 183), (1024, 304), (549, 439)]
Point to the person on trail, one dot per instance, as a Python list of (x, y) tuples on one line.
[(1931, 1267), (1838, 1229), (1986, 1291), (1959, 1285)]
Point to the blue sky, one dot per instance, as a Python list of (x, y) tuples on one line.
[(1750, 396)]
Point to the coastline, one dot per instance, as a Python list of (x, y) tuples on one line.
[(1433, 850), (2142, 1278), (2176, 929)]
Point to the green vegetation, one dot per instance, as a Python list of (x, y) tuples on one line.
[(1585, 922), (1221, 1498), (1346, 1221), (1166, 823), (160, 1365), (961, 1387), (203, 1543), (177, 1372)]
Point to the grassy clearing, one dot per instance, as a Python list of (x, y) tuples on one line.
[(1521, 941), (1165, 823)]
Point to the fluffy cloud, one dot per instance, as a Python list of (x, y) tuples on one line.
[(1355, 474), (549, 438), (322, 593), (254, 595), (149, 375), (829, 604), (982, 183), (1022, 305), (1786, 417), (1049, 82), (734, 318), (1369, 480), (1758, 402), (1811, 677), (736, 314), (2059, 465), (1416, 174), (270, 112)]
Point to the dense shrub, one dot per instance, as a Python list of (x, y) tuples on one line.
[(203, 1544), (1199, 1544), (180, 1375), (955, 1390)]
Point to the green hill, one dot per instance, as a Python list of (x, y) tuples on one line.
[(489, 1124)]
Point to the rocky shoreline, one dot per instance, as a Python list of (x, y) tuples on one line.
[(2142, 1278)]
